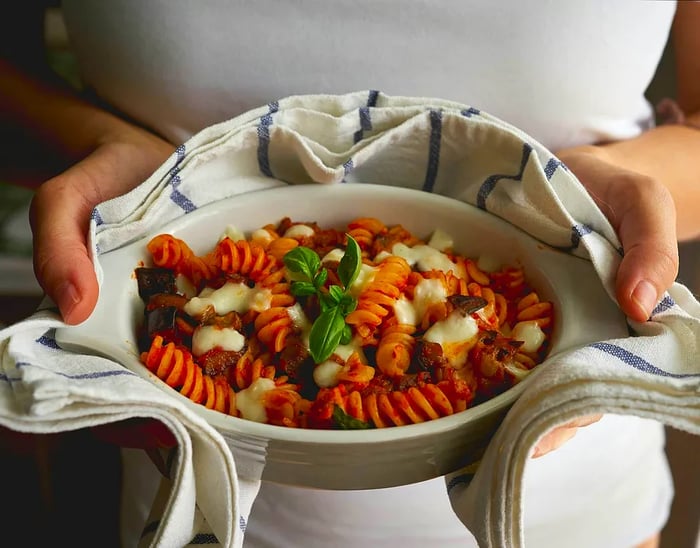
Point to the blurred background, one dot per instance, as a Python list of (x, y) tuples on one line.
[(52, 476)]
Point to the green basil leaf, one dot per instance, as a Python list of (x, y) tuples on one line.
[(325, 301), (303, 289), (336, 293), (347, 422), (349, 266), (320, 278), (326, 333), (347, 335), (347, 304), (302, 260)]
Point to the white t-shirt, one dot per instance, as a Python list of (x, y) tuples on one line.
[(567, 73)]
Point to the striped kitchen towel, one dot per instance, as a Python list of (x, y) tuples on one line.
[(365, 137)]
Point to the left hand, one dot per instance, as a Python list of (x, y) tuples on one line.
[(642, 213)]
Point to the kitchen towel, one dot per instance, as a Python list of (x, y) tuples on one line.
[(364, 137)]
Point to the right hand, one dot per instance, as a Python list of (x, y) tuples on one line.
[(61, 209)]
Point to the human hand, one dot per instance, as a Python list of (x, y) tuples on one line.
[(642, 212), (61, 209), (558, 436)]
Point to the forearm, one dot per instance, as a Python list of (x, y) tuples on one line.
[(55, 117), (669, 154)]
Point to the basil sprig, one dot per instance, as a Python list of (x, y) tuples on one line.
[(343, 421), (329, 329)]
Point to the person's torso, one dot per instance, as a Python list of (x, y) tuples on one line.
[(567, 73)]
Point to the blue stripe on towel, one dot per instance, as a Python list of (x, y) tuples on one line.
[(372, 98), (204, 538), (365, 124), (666, 304), (637, 361), (490, 183), (95, 216), (242, 523), (48, 340), (471, 111), (364, 116), (347, 168), (578, 232), (82, 376), (552, 166), (180, 154), (183, 201), (264, 139), (10, 380), (176, 196), (433, 150)]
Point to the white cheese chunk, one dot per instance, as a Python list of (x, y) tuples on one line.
[(456, 334), (530, 333), (249, 402), (207, 337), (299, 231), (326, 374), (236, 297)]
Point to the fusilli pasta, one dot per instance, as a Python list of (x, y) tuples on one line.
[(431, 332)]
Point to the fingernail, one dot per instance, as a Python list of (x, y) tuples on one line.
[(645, 296), (67, 298)]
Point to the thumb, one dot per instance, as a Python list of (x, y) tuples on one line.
[(647, 230), (60, 215)]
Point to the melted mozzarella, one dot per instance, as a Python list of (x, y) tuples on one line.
[(261, 235), (230, 297), (234, 233), (299, 231), (300, 322), (425, 293), (206, 337), (185, 286), (249, 402), (364, 278), (333, 255), (441, 240), (456, 334), (344, 351), (381, 256), (425, 257), (530, 333), (326, 374)]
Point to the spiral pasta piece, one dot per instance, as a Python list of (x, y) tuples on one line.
[(530, 308), (376, 301), (249, 368), (273, 326), (395, 349), (414, 405), (242, 257), (170, 252), (175, 366), (364, 230)]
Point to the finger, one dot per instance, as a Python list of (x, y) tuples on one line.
[(60, 215), (586, 420), (647, 230), (553, 440), (560, 435)]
